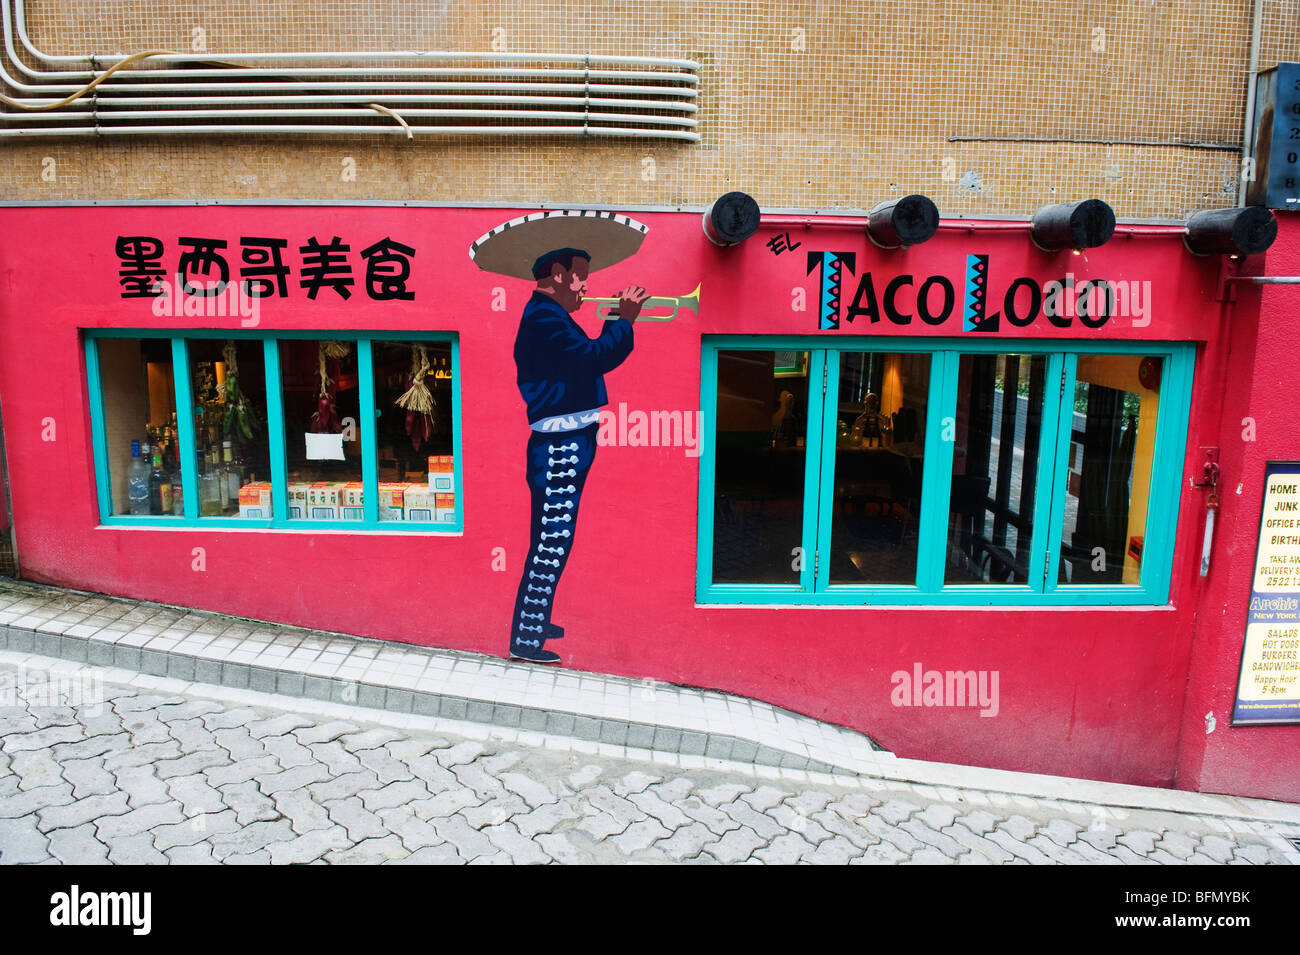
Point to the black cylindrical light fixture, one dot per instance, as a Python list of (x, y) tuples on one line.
[(731, 219), (1073, 225), (907, 220), (1245, 231)]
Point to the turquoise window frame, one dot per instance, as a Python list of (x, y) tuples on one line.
[(814, 587), (369, 523)]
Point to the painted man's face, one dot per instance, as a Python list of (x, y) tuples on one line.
[(577, 279), (571, 286)]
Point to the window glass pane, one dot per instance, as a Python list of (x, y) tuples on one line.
[(762, 426), (139, 396), (322, 428), (879, 451), (995, 465), (417, 479), (1112, 442), (228, 385)]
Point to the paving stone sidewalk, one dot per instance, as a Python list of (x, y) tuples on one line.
[(164, 773), (216, 649)]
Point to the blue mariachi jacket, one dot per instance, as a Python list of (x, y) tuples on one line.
[(560, 369)]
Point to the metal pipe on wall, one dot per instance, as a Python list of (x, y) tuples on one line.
[(340, 112), (392, 98), (581, 131), (580, 58), (585, 75), (115, 100)]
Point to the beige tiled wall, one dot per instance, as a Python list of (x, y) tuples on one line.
[(814, 104)]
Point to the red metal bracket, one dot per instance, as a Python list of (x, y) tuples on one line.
[(1209, 470)]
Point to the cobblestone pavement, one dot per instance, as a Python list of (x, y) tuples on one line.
[(150, 777)]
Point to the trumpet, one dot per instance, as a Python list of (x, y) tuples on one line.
[(607, 308)]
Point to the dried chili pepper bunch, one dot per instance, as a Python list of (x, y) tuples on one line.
[(325, 420), (418, 400)]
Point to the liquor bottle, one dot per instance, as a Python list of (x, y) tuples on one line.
[(220, 497), (200, 433), (209, 492), (160, 487), (231, 473), (178, 491), (219, 478), (137, 482)]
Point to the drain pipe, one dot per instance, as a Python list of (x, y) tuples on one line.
[(1251, 83)]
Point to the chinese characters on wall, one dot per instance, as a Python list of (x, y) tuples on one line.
[(204, 267)]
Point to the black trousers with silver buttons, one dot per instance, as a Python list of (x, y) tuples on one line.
[(557, 466)]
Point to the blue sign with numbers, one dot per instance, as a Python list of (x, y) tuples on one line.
[(1276, 182)]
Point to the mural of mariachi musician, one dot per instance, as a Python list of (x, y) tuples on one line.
[(560, 373)]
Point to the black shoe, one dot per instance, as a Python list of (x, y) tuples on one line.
[(521, 650), (553, 632)]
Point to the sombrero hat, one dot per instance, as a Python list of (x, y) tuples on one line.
[(512, 247)]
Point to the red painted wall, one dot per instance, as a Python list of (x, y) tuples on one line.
[(1097, 692), (1259, 383)]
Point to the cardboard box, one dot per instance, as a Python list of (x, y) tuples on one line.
[(391, 494), (418, 503), (442, 473), (352, 504), (324, 500), (444, 508), (255, 501), (298, 499)]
